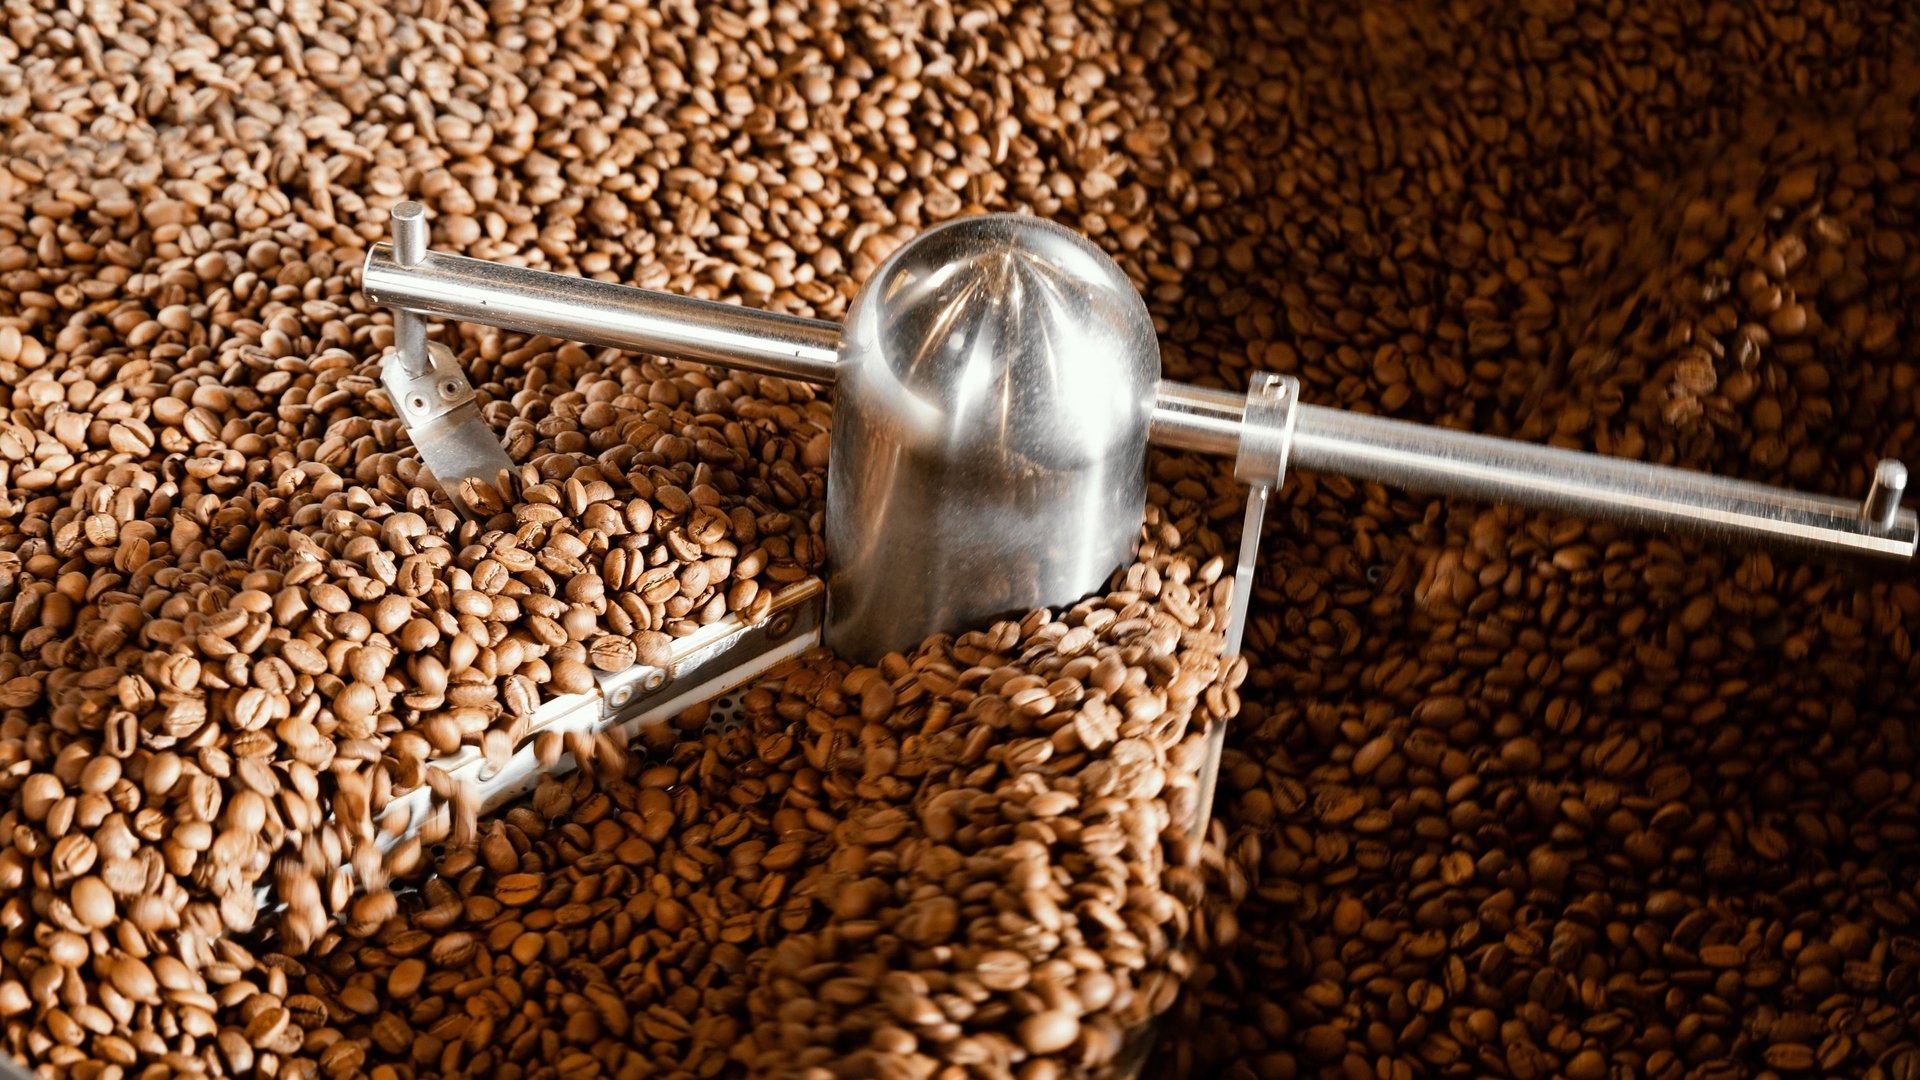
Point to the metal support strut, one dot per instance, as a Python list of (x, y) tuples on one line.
[(430, 391), (1266, 442)]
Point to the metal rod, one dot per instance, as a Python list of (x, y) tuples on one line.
[(1882, 506), (1252, 522), (1455, 463), (602, 313), (409, 221), (1393, 452), (409, 233), (1187, 417)]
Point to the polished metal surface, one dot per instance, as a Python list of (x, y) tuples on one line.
[(1882, 505), (1196, 418), (990, 416), (428, 390), (1267, 422), (601, 313), (409, 222), (443, 420), (1455, 463), (1271, 416)]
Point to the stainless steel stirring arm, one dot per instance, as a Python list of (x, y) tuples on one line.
[(1393, 452)]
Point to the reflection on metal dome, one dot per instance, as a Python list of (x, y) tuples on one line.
[(991, 405)]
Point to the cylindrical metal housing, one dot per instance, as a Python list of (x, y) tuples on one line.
[(1882, 506), (409, 221), (995, 384)]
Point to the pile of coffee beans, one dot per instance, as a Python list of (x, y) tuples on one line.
[(1521, 796), (1509, 794), (953, 859)]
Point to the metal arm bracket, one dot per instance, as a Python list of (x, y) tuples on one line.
[(431, 393), (1266, 441), (437, 407)]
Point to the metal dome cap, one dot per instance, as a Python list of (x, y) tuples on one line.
[(995, 385)]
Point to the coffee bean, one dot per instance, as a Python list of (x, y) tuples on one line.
[(517, 889), (1002, 970), (1588, 1064), (610, 652), (1049, 1032), (92, 902), (653, 649)]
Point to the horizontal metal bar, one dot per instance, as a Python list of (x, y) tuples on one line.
[(1195, 418), (602, 313), (1393, 452), (1455, 463)]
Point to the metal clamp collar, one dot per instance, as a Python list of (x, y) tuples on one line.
[(1266, 431)]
